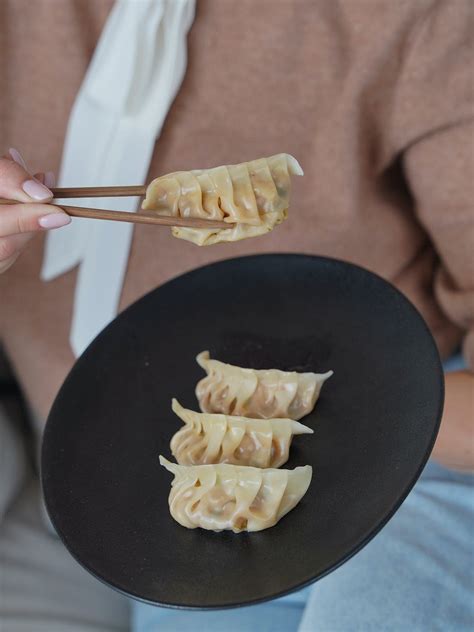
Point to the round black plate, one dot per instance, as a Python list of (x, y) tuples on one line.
[(375, 425)]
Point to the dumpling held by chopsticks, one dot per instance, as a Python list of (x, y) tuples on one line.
[(254, 196)]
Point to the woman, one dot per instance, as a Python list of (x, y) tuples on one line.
[(372, 97)]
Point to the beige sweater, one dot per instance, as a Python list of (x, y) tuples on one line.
[(374, 98)]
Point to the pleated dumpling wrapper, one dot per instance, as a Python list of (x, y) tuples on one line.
[(218, 497), (208, 438), (260, 394), (252, 195)]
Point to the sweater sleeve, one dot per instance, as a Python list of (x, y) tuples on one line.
[(437, 142)]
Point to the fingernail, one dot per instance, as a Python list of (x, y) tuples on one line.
[(36, 190), (49, 179), (54, 220), (17, 157)]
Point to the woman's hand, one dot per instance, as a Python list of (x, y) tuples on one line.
[(20, 222)]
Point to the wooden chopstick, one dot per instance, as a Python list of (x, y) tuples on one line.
[(88, 192), (143, 217)]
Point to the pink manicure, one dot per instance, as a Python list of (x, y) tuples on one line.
[(17, 157), (54, 220), (36, 190)]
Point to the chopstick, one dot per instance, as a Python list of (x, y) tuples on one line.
[(88, 192), (141, 217)]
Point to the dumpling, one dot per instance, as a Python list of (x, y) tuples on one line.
[(218, 497), (252, 195), (265, 394), (208, 438)]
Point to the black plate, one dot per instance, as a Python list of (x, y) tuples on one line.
[(375, 425)]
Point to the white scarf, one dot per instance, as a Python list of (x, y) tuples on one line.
[(134, 76)]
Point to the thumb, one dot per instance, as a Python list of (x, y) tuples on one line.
[(17, 184)]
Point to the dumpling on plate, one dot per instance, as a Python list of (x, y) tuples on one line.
[(252, 196), (260, 394), (209, 438), (218, 497)]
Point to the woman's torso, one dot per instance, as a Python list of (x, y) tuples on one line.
[(308, 78)]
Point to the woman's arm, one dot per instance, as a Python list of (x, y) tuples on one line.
[(454, 446), (432, 128)]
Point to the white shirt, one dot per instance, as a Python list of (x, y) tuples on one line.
[(135, 73)]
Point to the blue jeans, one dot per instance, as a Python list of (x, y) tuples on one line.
[(416, 575)]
